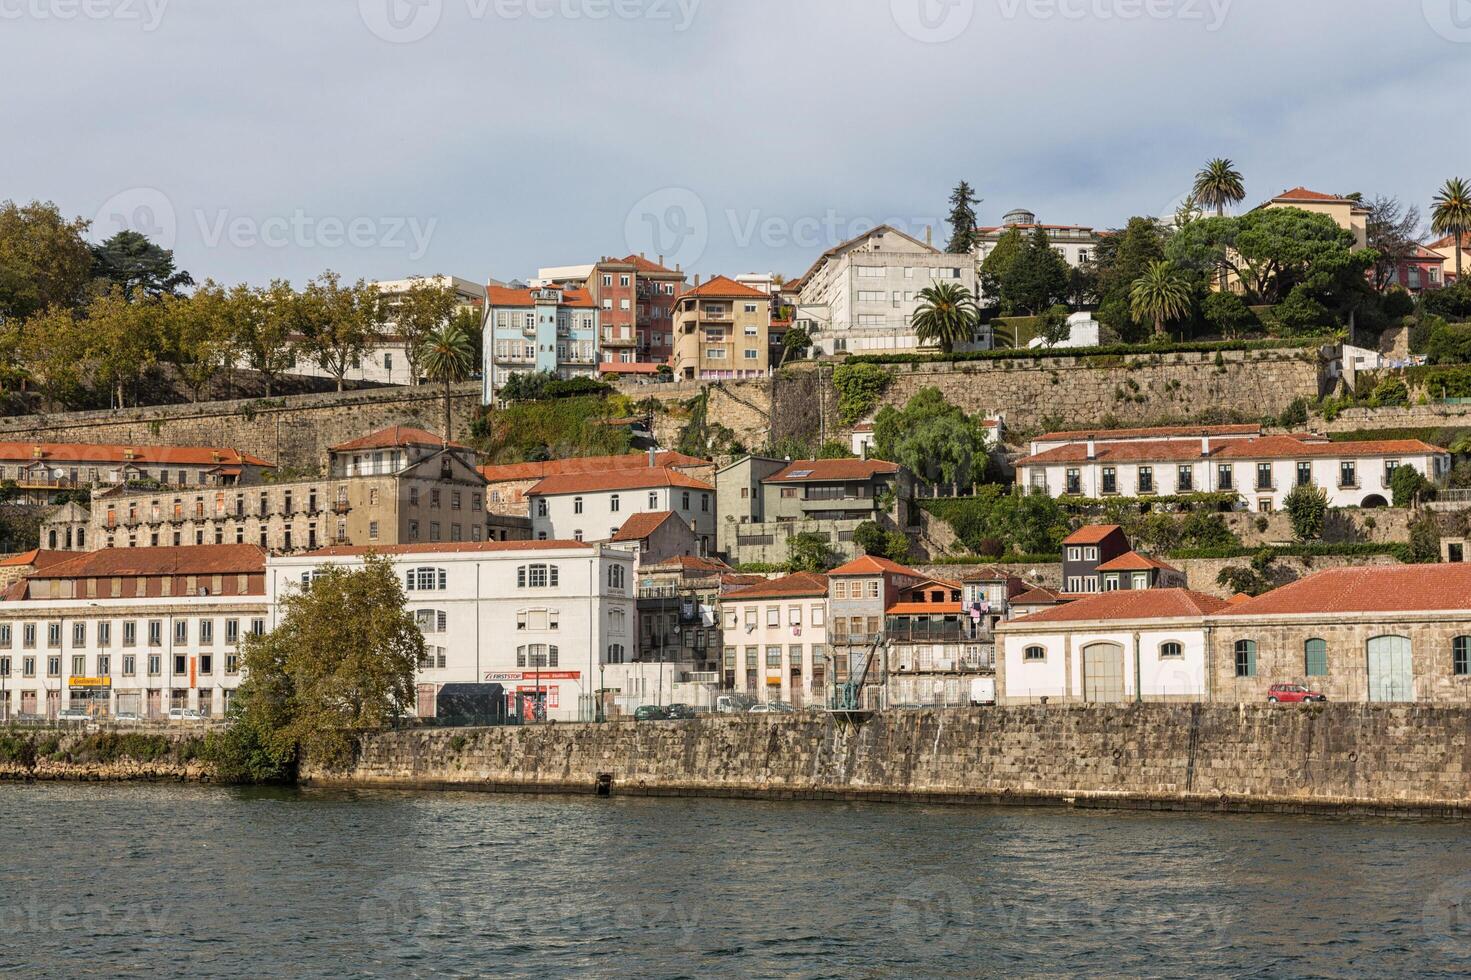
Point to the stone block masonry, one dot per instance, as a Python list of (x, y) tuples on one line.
[(1209, 757)]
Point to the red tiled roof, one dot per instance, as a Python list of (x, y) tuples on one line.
[(1037, 596), (66, 452), (585, 464), (640, 526), (206, 559), (1131, 605), (1406, 588), (822, 470), (1135, 562), (1118, 452), (723, 287), (801, 584), (873, 565), (1302, 194), (1266, 448), (395, 437), (1450, 240), (691, 563), (1161, 432), (631, 367), (448, 548), (571, 296), (924, 608), (1092, 534), (641, 479), (644, 265), (40, 559)]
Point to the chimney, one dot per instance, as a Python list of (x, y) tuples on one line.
[(697, 278), (1205, 446), (1092, 449), (653, 457), (929, 235), (661, 260)]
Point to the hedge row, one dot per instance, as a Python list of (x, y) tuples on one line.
[(1106, 350), (1400, 551)]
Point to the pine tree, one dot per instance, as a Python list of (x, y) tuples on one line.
[(963, 220)]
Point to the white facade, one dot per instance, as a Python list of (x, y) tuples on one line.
[(776, 647), (131, 656), (861, 296), (1083, 331), (540, 621), (1162, 662), (598, 515)]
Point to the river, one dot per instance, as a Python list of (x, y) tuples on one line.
[(131, 880)]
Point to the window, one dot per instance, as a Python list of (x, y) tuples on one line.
[(577, 505), (1034, 654), (426, 580), (1074, 483), (1185, 481), (1146, 479), (617, 577), (5, 636), (1171, 651), (155, 632), (773, 656), (536, 576), (1264, 476), (1304, 474), (1461, 656), (130, 665), (79, 634), (1246, 658), (53, 634), (614, 503), (28, 636), (79, 665), (1348, 474), (181, 631), (1225, 477), (615, 653), (104, 635), (232, 630), (431, 620), (1110, 480), (1315, 657)]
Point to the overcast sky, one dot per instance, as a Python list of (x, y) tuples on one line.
[(387, 138)]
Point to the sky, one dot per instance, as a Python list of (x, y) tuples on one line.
[(485, 139)]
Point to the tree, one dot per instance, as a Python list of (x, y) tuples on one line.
[(1425, 540), (810, 552), (1451, 215), (1254, 579), (997, 263), (340, 664), (125, 340), (1037, 278), (339, 324), (795, 343), (449, 356), (1410, 487), (874, 540), (1217, 185), (1307, 509), (947, 315), (1161, 295), (44, 259), (1227, 314), (263, 328), (1394, 234), (198, 334), (417, 313), (963, 232), (49, 351), (1117, 262), (933, 439), (1055, 328), (138, 266)]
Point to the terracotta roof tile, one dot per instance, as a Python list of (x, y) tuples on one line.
[(924, 609), (395, 437), (1159, 432), (640, 479), (800, 585), (448, 548), (585, 464), (691, 563), (1407, 588), (1302, 194), (1038, 596), (640, 526), (1265, 448), (38, 558), (208, 559), (821, 470), (572, 296), (1131, 605), (874, 565), (1092, 534), (65, 452), (1135, 562), (723, 287)]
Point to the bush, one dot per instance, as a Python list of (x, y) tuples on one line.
[(1410, 487), (1398, 304), (1307, 509), (1424, 541), (1452, 303), (1390, 393), (1450, 343), (859, 386), (1228, 314), (1108, 350), (1300, 315)]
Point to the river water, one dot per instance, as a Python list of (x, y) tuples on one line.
[(120, 880)]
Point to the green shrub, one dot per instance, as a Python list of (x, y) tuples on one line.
[(1117, 352), (860, 384)]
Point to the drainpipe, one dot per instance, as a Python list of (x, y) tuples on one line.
[(1138, 671)]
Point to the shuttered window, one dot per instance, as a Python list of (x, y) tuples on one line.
[(1316, 658), (1246, 658)]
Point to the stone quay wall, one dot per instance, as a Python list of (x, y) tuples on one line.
[(1337, 757)]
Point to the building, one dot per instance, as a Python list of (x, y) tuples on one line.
[(548, 328), (766, 502), (1349, 214), (1108, 437), (775, 640), (66, 528), (1085, 551), (401, 485), (990, 595), (130, 633), (507, 485), (1147, 645), (722, 330), (657, 536), (1421, 269), (1390, 634), (1077, 244), (934, 648), (42, 469), (861, 296), (1446, 248), (636, 300), (540, 618), (861, 594), (594, 507), (1260, 471), (1134, 571)]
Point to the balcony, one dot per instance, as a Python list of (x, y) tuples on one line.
[(942, 633), (341, 507)]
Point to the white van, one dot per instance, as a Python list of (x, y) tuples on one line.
[(983, 691)]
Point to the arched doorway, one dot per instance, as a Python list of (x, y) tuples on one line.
[(1103, 673), (1375, 502), (1391, 670)]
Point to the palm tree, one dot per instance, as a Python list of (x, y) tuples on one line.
[(1160, 295), (1452, 215), (947, 316), (448, 355), (1217, 185)]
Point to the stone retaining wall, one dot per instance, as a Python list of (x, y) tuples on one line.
[(1255, 757)]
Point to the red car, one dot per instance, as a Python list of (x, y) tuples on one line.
[(1293, 694)]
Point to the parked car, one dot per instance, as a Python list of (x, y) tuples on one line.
[(733, 704), (1293, 694), (73, 714), (681, 712), (772, 708), (128, 718), (651, 712), (184, 714)]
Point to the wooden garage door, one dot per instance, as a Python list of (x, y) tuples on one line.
[(1103, 673)]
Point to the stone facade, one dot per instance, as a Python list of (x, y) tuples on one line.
[(1155, 756)]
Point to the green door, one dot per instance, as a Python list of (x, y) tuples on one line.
[(1103, 673), (1391, 670)]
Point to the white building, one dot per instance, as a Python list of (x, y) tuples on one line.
[(540, 618), (1077, 244), (594, 507), (1083, 331), (776, 640), (1262, 471), (133, 633), (861, 296), (1148, 645)]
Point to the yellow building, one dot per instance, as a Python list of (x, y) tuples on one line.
[(722, 330), (1446, 249), (1349, 214)]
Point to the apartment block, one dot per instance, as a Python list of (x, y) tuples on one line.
[(636, 300), (722, 331), (595, 507), (548, 328), (775, 640)]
